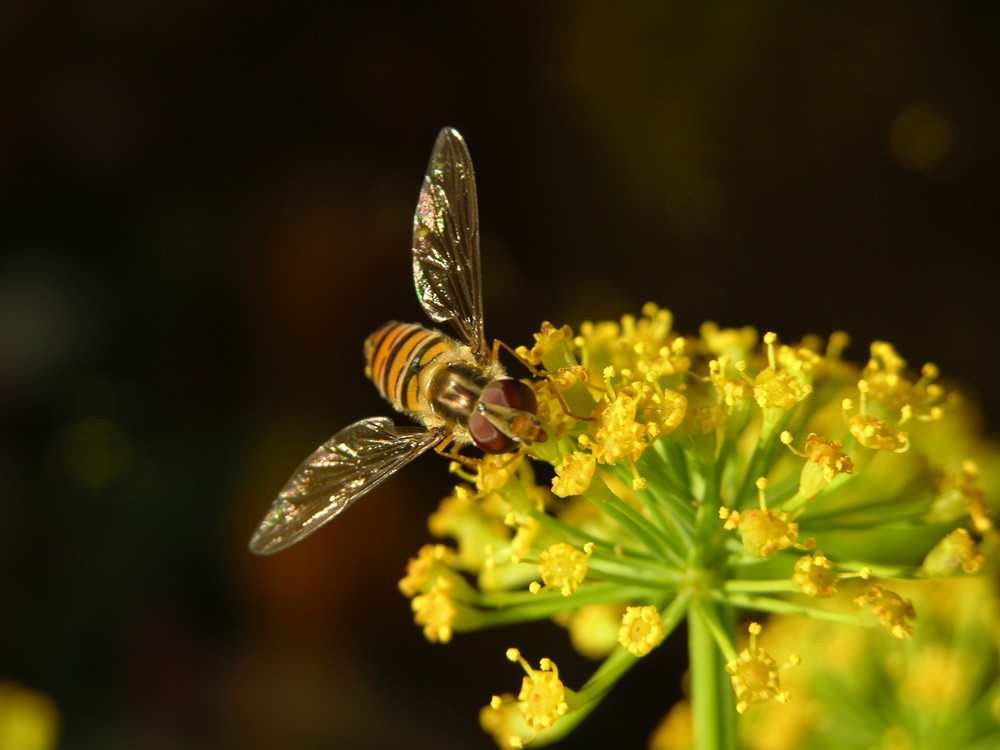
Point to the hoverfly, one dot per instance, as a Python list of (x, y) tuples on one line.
[(456, 388)]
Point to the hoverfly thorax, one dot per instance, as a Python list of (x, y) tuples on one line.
[(453, 390)]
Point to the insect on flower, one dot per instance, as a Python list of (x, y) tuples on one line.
[(456, 388)]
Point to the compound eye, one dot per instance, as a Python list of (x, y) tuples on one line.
[(511, 393), (488, 437)]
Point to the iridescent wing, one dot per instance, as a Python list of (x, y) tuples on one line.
[(345, 467), (446, 242)]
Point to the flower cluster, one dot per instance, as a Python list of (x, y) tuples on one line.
[(694, 477), (938, 688)]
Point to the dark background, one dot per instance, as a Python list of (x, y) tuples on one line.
[(205, 207)]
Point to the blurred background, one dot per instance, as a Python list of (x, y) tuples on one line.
[(206, 206)]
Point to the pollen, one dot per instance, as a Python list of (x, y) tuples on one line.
[(563, 567), (573, 475), (891, 610), (754, 674), (641, 630), (814, 575), (435, 611), (542, 699)]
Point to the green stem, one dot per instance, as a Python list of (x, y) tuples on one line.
[(600, 495), (713, 711), (571, 533), (523, 605), (760, 585), (783, 607)]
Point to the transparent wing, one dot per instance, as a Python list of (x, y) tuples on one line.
[(446, 242), (344, 468)]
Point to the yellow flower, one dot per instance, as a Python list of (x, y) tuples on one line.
[(814, 575), (495, 471), (875, 434), (763, 531), (704, 419), (573, 475), (542, 699), (662, 411), (476, 525), (435, 611), (593, 630), (775, 388), (641, 630), (503, 719), (956, 550), (891, 610), (642, 491), (734, 343), (428, 563), (959, 494), (778, 389), (735, 392), (552, 412), (563, 567), (826, 459), (618, 436), (754, 674), (546, 339)]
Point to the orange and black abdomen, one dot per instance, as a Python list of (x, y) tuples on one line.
[(397, 353)]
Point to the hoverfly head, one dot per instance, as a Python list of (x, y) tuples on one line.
[(505, 417)]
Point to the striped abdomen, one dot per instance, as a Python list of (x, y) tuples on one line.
[(398, 354)]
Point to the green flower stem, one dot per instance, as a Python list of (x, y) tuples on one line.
[(881, 571), (762, 458), (655, 511), (712, 702), (681, 523), (782, 607), (522, 606), (672, 466), (677, 506), (573, 534), (599, 494), (635, 571), (748, 586), (707, 517)]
